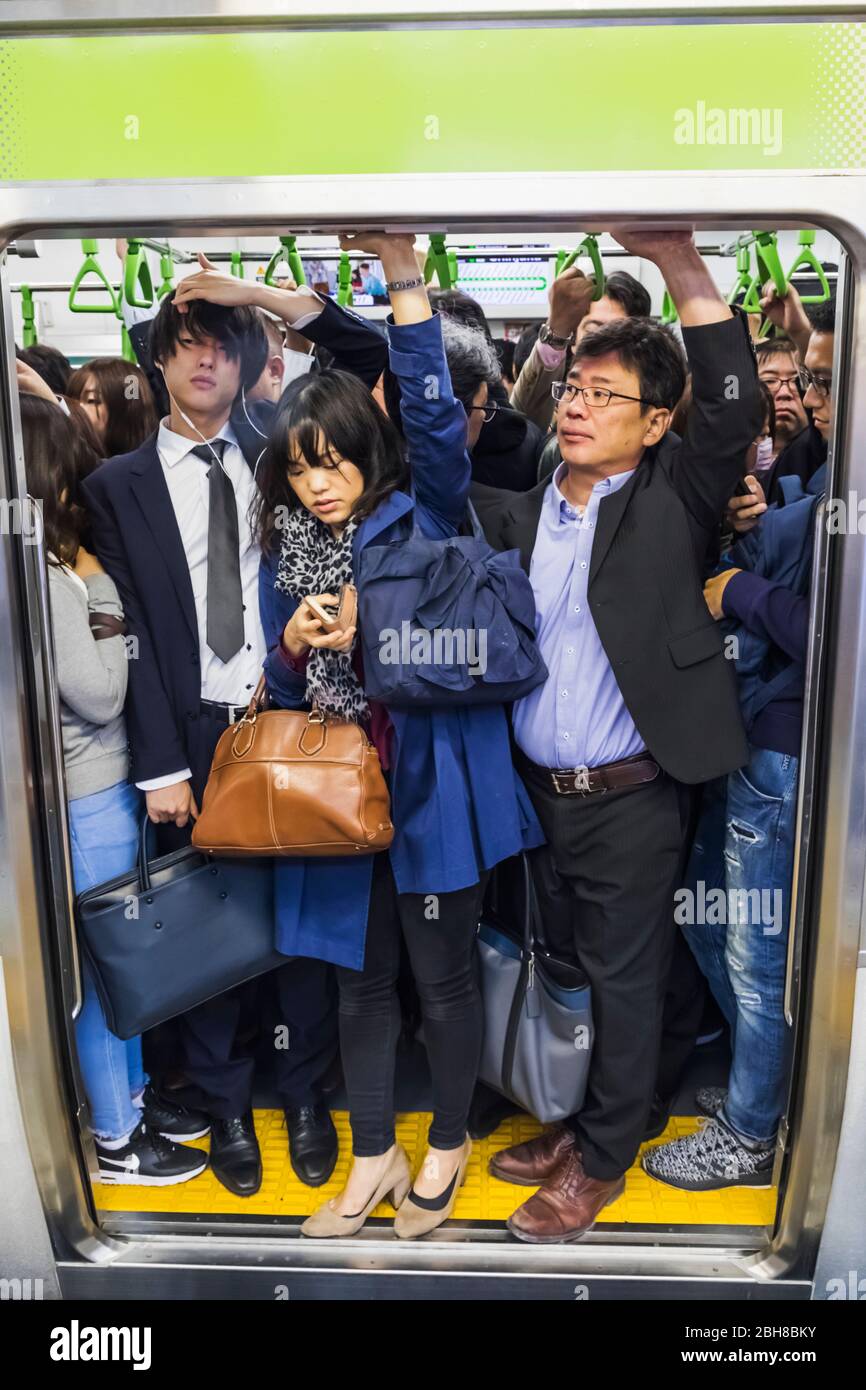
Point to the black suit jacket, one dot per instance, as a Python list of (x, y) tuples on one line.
[(645, 588), (138, 541)]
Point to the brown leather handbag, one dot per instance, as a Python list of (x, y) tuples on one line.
[(288, 782)]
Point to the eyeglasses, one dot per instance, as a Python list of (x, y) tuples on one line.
[(595, 397), (821, 384), (490, 411), (774, 384)]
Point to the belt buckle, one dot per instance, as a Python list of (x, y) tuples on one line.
[(580, 775)]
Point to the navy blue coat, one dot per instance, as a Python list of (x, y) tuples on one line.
[(457, 804)]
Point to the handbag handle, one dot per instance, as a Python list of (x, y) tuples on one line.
[(143, 866), (533, 929)]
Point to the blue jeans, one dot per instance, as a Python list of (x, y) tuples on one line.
[(744, 845), (103, 830)]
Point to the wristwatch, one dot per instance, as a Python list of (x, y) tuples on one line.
[(554, 340), (413, 284)]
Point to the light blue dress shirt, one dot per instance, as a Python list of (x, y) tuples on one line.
[(578, 717)]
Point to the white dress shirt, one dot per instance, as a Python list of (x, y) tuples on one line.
[(227, 682)]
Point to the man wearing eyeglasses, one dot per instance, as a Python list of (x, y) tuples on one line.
[(810, 335), (640, 704)]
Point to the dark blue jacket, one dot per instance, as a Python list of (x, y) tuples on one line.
[(768, 601), (458, 806)]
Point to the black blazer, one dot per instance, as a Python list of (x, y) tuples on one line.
[(645, 588), (138, 541)]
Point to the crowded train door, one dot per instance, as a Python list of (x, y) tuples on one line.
[(149, 186)]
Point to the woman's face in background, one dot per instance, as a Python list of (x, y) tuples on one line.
[(93, 405)]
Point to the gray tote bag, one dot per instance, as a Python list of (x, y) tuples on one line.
[(537, 1016)]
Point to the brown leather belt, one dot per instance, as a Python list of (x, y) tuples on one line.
[(628, 772)]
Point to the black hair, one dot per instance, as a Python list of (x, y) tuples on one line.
[(628, 293), (644, 347), (822, 316), (50, 364), (51, 449), (335, 407), (523, 347), (238, 329), (505, 352), (462, 307), (772, 347), (769, 404)]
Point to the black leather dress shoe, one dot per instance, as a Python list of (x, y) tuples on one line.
[(313, 1143), (235, 1156)]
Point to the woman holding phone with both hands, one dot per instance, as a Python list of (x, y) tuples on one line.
[(344, 477)]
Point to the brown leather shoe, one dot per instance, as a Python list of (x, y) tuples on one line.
[(531, 1163), (566, 1206)]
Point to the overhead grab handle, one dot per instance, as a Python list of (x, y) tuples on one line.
[(286, 251), (136, 275), (588, 247), (669, 309), (28, 316), (237, 265), (807, 260), (91, 266), (768, 267), (344, 280), (166, 271), (441, 261)]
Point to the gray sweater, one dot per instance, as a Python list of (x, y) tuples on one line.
[(91, 678)]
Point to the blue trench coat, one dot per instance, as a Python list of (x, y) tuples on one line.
[(457, 804)]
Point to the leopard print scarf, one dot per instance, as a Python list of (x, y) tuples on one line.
[(313, 562)]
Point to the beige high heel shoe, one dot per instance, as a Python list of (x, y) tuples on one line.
[(326, 1222), (418, 1215)]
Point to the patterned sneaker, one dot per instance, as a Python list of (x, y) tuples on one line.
[(711, 1158), (710, 1099)]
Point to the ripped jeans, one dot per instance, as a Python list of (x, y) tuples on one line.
[(740, 875)]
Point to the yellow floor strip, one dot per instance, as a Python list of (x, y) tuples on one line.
[(483, 1198)]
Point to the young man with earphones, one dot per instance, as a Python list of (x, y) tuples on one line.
[(171, 524)]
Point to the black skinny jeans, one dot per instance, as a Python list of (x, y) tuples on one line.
[(441, 952)]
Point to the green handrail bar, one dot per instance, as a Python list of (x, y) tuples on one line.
[(91, 266), (136, 275), (669, 309), (344, 280), (588, 247), (442, 261), (166, 271), (286, 251), (806, 258), (237, 265), (28, 315)]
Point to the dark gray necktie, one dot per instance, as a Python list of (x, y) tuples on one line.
[(225, 607)]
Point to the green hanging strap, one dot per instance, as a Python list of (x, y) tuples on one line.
[(744, 273), (237, 265), (344, 280), (286, 251), (441, 261), (136, 276), (166, 271), (806, 259), (768, 267), (28, 315), (91, 266), (669, 309), (588, 247), (127, 351)]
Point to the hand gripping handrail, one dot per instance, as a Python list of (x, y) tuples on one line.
[(588, 247)]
